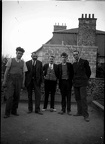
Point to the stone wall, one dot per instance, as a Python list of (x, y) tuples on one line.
[(96, 89), (86, 52)]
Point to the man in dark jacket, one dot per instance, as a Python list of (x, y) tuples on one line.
[(50, 71), (65, 72), (33, 80), (82, 74)]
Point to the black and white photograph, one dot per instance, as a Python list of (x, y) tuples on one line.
[(52, 71)]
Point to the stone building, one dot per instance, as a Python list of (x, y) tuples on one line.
[(89, 41)]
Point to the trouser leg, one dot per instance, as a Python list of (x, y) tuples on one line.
[(46, 88), (37, 97), (68, 89), (46, 98), (53, 90), (84, 104), (30, 101), (16, 96), (78, 99), (10, 92), (69, 101), (63, 102)]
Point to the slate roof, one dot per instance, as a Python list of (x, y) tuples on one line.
[(99, 35)]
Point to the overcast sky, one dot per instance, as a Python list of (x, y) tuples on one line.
[(29, 24)]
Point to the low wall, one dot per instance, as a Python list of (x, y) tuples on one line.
[(95, 91)]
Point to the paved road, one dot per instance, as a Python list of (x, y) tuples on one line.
[(51, 128)]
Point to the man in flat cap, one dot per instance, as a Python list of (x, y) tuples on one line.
[(14, 78)]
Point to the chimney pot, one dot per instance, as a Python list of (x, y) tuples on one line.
[(82, 15), (85, 15), (92, 15), (89, 16)]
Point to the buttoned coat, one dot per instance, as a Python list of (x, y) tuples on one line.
[(70, 73), (82, 73), (38, 73)]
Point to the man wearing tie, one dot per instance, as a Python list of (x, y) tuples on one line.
[(33, 81), (50, 81), (82, 74)]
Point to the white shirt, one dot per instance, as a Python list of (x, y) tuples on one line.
[(51, 66)]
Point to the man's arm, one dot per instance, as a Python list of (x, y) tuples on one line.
[(87, 68), (5, 76), (24, 71), (8, 65), (41, 74)]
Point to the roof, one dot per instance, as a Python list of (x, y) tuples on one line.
[(100, 35), (75, 30)]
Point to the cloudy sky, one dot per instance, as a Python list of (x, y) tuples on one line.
[(29, 24)]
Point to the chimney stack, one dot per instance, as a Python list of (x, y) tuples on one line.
[(59, 27), (87, 30)]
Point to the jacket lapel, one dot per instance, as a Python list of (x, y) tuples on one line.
[(76, 65), (30, 64), (60, 69)]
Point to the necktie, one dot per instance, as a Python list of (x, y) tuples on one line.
[(51, 66), (34, 62)]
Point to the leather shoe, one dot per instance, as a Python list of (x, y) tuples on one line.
[(38, 112), (69, 113), (86, 119), (61, 112), (77, 114), (52, 110), (6, 116)]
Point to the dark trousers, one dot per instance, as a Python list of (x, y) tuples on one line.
[(50, 88), (66, 95), (81, 99), (37, 91), (13, 93)]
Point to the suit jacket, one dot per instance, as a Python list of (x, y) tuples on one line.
[(70, 73), (82, 73), (38, 73), (55, 67)]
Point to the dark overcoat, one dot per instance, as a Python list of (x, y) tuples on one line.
[(82, 73), (70, 73), (38, 73)]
